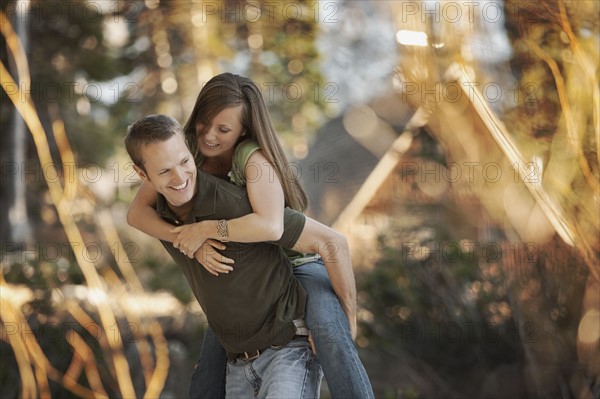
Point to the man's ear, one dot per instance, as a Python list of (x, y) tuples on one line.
[(140, 173)]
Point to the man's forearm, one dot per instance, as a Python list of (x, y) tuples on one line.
[(339, 268)]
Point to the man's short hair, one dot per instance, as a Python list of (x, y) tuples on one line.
[(150, 129)]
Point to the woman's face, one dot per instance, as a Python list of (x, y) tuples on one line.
[(219, 138)]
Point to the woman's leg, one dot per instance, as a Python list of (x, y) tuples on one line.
[(346, 377), (208, 379)]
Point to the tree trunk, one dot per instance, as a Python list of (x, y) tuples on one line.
[(15, 223)]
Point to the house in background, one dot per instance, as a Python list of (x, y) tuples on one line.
[(345, 151)]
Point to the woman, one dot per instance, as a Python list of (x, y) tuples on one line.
[(232, 135)]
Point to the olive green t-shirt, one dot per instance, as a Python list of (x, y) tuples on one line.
[(253, 306)]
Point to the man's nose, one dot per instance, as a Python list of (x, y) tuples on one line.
[(179, 174)]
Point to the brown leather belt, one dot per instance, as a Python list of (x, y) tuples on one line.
[(301, 332)]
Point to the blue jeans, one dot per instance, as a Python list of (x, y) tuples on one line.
[(346, 377), (290, 371), (208, 379), (328, 325)]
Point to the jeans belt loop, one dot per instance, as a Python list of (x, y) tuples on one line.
[(301, 328), (306, 259)]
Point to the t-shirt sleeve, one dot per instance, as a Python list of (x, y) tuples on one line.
[(293, 224), (240, 159)]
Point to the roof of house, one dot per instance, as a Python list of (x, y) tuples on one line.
[(334, 170)]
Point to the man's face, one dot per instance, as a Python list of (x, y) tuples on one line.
[(171, 170)]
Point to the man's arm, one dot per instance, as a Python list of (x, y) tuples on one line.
[(333, 248)]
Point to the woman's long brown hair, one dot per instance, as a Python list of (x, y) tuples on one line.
[(229, 90)]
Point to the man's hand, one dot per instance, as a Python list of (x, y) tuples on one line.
[(312, 344), (190, 237), (213, 261)]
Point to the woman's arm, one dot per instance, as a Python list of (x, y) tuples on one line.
[(142, 215), (264, 224)]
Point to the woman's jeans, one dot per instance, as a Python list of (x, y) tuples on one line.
[(346, 377)]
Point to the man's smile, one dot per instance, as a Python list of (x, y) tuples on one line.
[(182, 186)]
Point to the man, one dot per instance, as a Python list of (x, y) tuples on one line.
[(256, 311)]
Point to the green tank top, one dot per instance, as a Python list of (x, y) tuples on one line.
[(237, 176)]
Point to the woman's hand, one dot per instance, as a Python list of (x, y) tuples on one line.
[(190, 237), (213, 261)]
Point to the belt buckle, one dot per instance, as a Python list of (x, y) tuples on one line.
[(250, 355)]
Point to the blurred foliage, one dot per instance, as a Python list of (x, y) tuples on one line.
[(537, 295), (68, 58), (101, 84), (435, 306), (453, 299), (167, 276)]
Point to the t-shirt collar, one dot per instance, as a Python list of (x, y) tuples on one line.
[(204, 202)]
